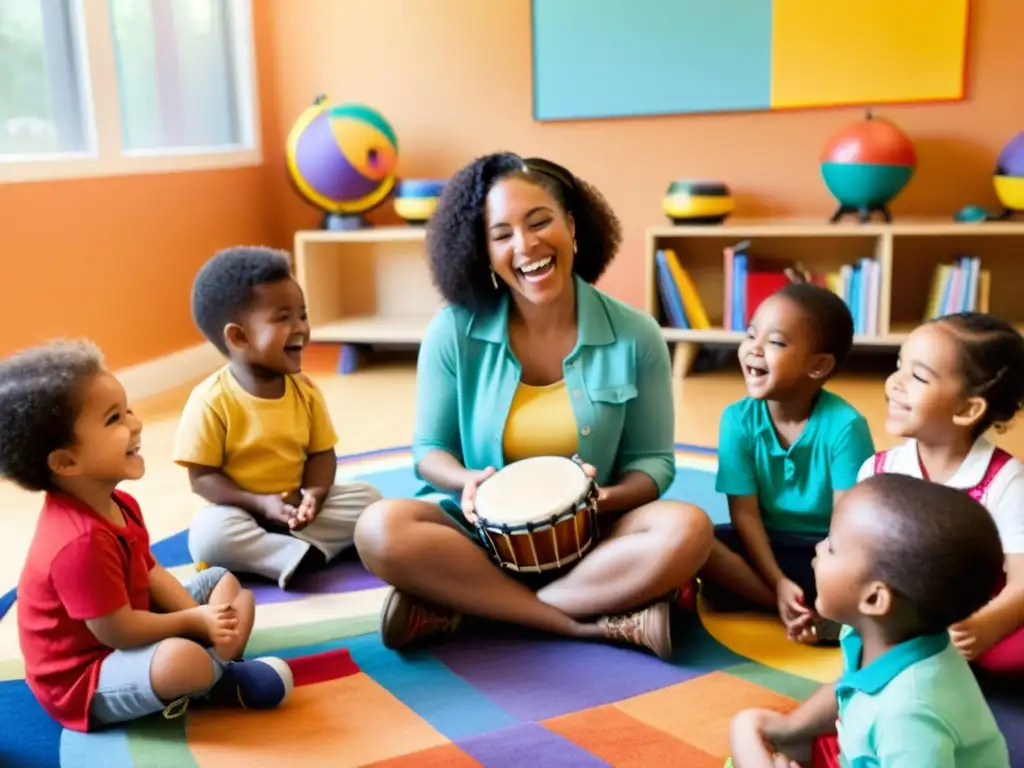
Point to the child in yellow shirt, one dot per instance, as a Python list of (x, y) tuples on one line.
[(256, 436)]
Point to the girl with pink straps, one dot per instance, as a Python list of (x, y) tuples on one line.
[(958, 377)]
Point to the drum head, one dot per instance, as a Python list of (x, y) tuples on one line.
[(531, 490)]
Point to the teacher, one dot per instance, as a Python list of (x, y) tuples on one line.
[(530, 359)]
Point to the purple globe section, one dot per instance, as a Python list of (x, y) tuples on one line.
[(323, 166), (1011, 159)]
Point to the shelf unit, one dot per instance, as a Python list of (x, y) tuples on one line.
[(907, 252), (368, 286)]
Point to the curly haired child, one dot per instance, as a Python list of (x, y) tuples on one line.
[(107, 634)]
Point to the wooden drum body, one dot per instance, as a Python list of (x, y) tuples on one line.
[(537, 514)]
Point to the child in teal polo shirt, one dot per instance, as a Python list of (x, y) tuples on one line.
[(785, 454), (904, 560)]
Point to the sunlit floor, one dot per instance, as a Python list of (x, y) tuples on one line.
[(373, 408)]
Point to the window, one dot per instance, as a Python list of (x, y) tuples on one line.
[(100, 87)]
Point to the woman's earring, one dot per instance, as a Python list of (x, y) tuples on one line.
[(494, 279), (574, 247)]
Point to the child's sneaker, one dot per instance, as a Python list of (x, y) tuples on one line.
[(262, 683)]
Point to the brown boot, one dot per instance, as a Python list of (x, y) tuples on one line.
[(650, 628), (404, 618)]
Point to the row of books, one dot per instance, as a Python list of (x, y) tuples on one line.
[(962, 286), (748, 283)]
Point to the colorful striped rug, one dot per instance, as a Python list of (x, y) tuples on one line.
[(498, 697)]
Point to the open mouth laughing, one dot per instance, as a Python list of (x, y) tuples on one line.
[(535, 271), (755, 372)]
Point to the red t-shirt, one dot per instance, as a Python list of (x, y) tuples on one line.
[(79, 567)]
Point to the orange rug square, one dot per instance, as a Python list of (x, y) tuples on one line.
[(699, 711), (625, 742), (355, 711), (445, 756)]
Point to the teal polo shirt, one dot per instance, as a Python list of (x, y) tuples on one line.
[(795, 485), (618, 377), (918, 705)]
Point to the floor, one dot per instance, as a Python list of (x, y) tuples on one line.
[(372, 409)]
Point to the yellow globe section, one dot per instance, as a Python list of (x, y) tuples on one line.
[(357, 140)]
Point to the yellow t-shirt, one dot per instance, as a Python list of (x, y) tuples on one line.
[(261, 444), (540, 422)]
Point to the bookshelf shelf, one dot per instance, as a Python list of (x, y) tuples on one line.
[(370, 286), (908, 254)]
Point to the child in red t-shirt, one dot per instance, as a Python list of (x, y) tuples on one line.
[(108, 635)]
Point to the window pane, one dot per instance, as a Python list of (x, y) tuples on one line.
[(176, 73), (40, 90)]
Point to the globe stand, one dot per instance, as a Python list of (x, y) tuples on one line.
[(344, 222), (863, 213)]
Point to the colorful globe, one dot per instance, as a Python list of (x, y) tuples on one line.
[(865, 165), (342, 159)]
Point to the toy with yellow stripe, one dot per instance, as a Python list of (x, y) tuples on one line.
[(697, 202)]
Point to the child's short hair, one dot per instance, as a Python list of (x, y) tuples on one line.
[(941, 552), (39, 402), (224, 287), (831, 318), (991, 356)]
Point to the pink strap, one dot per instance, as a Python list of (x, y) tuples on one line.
[(880, 458), (996, 463), (978, 492)]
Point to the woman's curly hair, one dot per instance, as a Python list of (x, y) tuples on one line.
[(456, 234)]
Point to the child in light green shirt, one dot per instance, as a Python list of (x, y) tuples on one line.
[(903, 561)]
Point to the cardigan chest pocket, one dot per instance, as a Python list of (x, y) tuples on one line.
[(610, 408), (614, 395)]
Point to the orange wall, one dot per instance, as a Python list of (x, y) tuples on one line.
[(113, 258), (454, 78)]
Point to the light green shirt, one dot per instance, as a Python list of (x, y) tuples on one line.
[(618, 377), (916, 706), (795, 485)]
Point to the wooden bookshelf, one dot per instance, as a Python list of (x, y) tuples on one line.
[(907, 252), (370, 286)]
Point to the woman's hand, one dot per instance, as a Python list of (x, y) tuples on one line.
[(469, 493), (591, 472)]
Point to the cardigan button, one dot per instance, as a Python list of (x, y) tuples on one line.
[(585, 431)]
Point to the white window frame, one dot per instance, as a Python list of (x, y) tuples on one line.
[(97, 68)]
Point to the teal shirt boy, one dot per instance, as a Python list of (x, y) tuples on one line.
[(916, 705), (794, 485), (618, 377)]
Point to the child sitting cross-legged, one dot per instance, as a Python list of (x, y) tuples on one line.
[(904, 559), (786, 453), (960, 377), (107, 634), (256, 436)]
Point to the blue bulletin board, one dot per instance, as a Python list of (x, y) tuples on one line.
[(618, 58)]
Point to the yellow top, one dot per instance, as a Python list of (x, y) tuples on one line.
[(540, 422), (260, 444)]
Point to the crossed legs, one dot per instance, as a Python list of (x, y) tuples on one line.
[(415, 546)]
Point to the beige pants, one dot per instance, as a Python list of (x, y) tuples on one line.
[(232, 538)]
